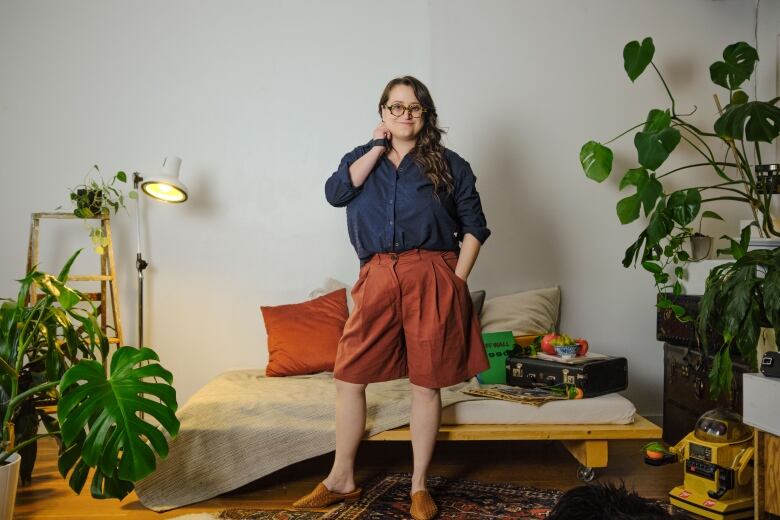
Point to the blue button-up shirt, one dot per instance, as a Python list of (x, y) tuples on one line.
[(394, 209)]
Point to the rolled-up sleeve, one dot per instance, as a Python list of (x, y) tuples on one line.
[(339, 189), (468, 204)]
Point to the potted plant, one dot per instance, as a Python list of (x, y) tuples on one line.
[(95, 197), (741, 295), (55, 351)]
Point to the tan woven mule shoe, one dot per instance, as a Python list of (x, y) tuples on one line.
[(423, 507), (321, 496)]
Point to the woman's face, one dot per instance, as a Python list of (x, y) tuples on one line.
[(407, 126)]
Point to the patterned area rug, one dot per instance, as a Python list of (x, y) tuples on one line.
[(386, 497)]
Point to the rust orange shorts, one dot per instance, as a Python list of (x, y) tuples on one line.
[(412, 316)]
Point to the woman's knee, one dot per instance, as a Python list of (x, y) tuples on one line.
[(424, 392), (346, 386)]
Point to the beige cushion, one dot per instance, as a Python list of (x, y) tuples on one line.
[(524, 313)]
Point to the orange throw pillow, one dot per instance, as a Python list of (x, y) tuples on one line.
[(303, 337)]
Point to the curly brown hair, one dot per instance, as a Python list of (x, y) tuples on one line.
[(428, 151)]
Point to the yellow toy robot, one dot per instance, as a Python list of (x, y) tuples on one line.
[(718, 460)]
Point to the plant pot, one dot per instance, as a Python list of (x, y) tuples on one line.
[(774, 210), (91, 200), (701, 245), (9, 476), (766, 343)]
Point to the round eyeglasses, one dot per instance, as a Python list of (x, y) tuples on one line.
[(399, 109)]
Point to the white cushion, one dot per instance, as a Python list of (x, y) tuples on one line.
[(330, 285), (605, 409)]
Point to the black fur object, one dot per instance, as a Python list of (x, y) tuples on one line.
[(606, 501)]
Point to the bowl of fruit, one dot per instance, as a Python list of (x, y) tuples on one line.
[(563, 345)]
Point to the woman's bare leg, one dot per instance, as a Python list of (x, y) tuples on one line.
[(424, 425), (350, 428)]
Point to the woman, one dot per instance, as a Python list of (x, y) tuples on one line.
[(410, 201)]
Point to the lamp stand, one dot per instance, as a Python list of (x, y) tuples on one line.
[(140, 263)]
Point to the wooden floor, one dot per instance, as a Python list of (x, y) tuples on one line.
[(537, 463)]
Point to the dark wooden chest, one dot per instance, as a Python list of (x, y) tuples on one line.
[(686, 390)]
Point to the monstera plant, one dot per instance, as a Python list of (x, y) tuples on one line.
[(740, 296), (54, 351)]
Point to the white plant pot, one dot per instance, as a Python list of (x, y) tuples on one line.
[(9, 476), (774, 210)]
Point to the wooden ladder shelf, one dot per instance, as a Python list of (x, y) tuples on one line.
[(107, 276)]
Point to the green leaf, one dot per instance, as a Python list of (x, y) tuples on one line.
[(122, 176), (632, 252), (739, 60), (657, 120), (720, 375), (684, 205), (757, 121), (711, 214), (636, 57), (739, 289), (660, 224), (739, 97), (63, 276), (114, 403), (634, 177), (772, 296), (677, 289), (133, 195), (628, 208), (657, 140), (652, 267), (596, 160), (650, 193), (661, 278)]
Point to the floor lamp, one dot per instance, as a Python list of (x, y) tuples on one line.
[(163, 186)]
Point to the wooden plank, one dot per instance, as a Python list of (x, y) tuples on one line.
[(66, 215), (114, 285), (640, 429), (95, 297), (758, 475), (771, 469), (103, 313), (32, 258), (89, 277), (592, 454)]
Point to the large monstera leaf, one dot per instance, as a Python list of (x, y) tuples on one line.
[(755, 120), (99, 422), (739, 60), (656, 140)]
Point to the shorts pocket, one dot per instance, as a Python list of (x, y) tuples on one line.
[(451, 263)]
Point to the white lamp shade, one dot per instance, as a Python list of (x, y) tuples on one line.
[(165, 185)]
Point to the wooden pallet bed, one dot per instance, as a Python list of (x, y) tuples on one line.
[(588, 443)]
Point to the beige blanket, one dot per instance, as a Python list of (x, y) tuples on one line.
[(242, 426)]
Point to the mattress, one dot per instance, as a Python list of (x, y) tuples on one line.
[(605, 409)]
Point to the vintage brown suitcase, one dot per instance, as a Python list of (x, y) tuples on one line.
[(671, 330), (686, 390), (597, 377)]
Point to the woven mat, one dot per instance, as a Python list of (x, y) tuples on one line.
[(386, 497)]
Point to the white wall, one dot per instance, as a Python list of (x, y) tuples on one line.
[(261, 99)]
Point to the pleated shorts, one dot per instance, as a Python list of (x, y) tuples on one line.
[(412, 316)]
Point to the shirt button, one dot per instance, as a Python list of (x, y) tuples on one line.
[(390, 201), (396, 244), (391, 221)]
